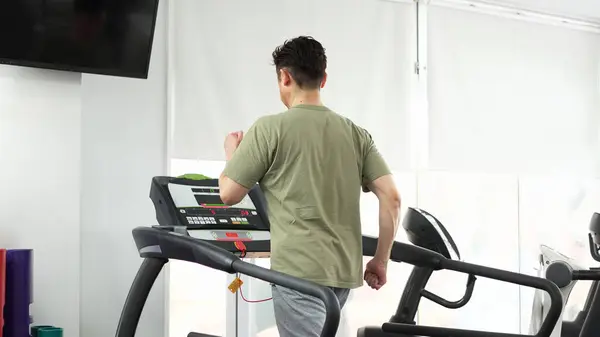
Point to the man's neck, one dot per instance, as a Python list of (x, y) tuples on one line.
[(306, 98)]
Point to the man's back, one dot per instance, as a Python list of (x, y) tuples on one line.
[(311, 164), (313, 193)]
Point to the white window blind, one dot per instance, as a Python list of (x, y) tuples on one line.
[(511, 96), (224, 79)]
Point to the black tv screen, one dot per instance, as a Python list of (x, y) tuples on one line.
[(109, 37)]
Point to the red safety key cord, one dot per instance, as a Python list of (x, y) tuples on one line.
[(242, 248)]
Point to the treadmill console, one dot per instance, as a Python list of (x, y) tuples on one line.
[(196, 204), (425, 231)]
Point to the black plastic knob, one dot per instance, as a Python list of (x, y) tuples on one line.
[(560, 273)]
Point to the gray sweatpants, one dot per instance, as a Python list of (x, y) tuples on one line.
[(301, 315)]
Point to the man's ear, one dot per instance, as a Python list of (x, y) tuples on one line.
[(324, 80), (286, 77)]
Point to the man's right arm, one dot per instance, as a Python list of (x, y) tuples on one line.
[(389, 214), (378, 178)]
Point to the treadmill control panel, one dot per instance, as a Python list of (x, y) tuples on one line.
[(203, 206), (196, 204)]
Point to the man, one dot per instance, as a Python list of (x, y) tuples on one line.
[(311, 163)]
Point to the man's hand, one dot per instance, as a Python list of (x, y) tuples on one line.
[(375, 273), (232, 141)]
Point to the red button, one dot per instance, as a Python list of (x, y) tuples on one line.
[(231, 235)]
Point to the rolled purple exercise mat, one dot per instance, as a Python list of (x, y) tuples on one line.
[(19, 292)]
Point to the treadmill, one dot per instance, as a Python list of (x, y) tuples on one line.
[(436, 250), (195, 226), (565, 273)]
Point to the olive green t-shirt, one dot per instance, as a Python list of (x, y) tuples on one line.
[(311, 163)]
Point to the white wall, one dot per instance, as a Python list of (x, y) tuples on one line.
[(76, 157), (40, 113), (123, 146)]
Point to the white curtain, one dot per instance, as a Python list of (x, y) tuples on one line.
[(224, 78), (511, 96)]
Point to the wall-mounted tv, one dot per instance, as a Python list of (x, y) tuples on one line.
[(107, 37)]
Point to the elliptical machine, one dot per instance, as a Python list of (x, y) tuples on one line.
[(565, 273)]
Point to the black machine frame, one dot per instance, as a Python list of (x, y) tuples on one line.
[(590, 325), (586, 324), (426, 263)]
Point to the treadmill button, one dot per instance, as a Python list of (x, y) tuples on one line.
[(203, 222), (195, 218), (223, 220), (244, 219), (254, 213)]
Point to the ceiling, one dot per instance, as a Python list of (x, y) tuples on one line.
[(588, 10)]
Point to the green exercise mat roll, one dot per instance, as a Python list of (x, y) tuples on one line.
[(35, 329), (50, 332)]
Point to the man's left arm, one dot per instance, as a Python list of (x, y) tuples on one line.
[(248, 164)]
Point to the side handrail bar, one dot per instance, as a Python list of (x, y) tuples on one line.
[(497, 274), (556, 301), (159, 243), (453, 304)]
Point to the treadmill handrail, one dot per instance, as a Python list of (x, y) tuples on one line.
[(556, 301), (453, 304), (422, 257), (159, 243)]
